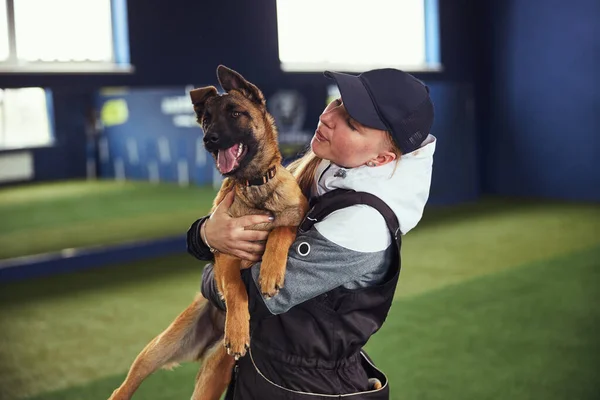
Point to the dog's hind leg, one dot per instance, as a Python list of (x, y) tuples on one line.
[(214, 375), (188, 338)]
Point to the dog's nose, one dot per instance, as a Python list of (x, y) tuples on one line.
[(211, 138)]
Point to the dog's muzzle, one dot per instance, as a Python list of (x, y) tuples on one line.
[(211, 138)]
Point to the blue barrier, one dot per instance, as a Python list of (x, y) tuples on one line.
[(70, 260), (151, 134)]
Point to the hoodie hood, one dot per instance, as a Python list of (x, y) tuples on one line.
[(403, 185)]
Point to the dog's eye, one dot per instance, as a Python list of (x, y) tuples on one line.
[(206, 119), (236, 114)]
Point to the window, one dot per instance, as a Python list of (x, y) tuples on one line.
[(356, 35), (24, 118), (63, 36), (3, 32)]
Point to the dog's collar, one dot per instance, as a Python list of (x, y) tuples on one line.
[(263, 179)]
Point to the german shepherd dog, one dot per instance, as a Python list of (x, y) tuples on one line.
[(241, 136)]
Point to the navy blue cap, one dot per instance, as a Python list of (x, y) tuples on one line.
[(390, 100)]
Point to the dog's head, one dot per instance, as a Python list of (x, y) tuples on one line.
[(238, 130)]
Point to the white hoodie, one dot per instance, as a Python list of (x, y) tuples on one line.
[(402, 185), (352, 247)]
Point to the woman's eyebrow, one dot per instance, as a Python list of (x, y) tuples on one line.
[(356, 124)]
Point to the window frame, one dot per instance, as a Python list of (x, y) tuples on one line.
[(432, 62), (120, 49)]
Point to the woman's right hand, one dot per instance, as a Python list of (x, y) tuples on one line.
[(227, 234)]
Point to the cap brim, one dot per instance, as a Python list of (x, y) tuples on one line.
[(357, 100)]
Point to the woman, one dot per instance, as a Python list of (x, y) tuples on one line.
[(342, 271)]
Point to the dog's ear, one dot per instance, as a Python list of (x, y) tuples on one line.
[(199, 97), (231, 80)]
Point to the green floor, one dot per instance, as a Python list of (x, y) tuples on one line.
[(527, 333), (50, 217), (496, 300)]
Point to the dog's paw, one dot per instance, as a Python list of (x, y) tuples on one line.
[(271, 279), (237, 337), (236, 353), (269, 289)]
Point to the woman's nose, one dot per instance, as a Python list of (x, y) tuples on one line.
[(328, 119)]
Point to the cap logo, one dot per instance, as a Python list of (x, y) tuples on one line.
[(416, 138)]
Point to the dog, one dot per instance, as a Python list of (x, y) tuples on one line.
[(242, 137)]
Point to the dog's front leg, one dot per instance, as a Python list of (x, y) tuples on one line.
[(292, 216), (272, 268), (237, 321)]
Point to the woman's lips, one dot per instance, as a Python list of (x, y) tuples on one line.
[(320, 136)]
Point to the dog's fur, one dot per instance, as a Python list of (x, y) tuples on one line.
[(239, 116)]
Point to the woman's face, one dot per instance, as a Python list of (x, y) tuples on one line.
[(344, 141)]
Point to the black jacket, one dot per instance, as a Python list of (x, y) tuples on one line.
[(313, 350)]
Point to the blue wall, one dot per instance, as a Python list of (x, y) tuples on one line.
[(543, 139), (455, 172), (180, 43)]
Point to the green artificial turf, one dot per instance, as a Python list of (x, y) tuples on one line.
[(50, 217), (455, 243), (69, 329), (525, 333), (75, 335)]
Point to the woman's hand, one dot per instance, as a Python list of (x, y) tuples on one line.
[(227, 234)]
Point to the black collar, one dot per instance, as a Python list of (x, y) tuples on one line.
[(263, 179)]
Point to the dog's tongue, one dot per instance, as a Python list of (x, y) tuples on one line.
[(227, 160)]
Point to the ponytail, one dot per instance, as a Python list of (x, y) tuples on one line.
[(304, 169)]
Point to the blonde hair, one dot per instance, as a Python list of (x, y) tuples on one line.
[(304, 168), (392, 146)]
